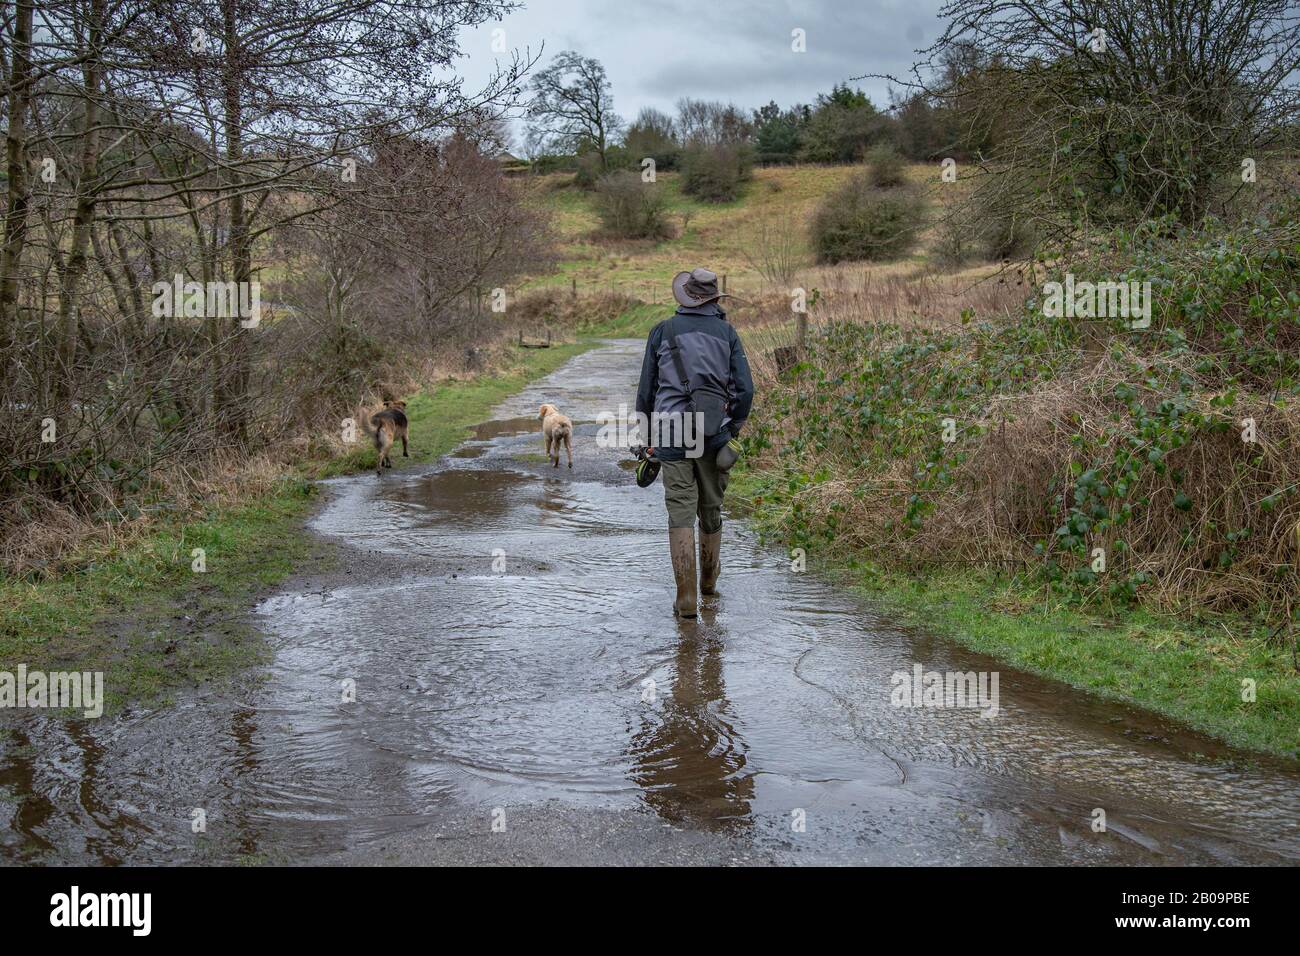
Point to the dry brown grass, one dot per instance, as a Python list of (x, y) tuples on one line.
[(903, 299), (557, 308), (43, 537)]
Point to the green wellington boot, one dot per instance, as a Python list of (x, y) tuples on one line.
[(681, 541), (710, 561)]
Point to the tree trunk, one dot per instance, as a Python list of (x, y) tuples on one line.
[(15, 223), (232, 397), (84, 217)]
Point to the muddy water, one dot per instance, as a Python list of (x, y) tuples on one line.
[(506, 627)]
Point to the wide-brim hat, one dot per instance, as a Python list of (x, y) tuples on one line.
[(696, 287)]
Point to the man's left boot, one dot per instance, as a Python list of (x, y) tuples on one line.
[(681, 543), (710, 561)]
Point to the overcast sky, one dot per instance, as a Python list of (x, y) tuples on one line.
[(657, 51)]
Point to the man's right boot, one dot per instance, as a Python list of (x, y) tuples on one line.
[(681, 542), (710, 561)]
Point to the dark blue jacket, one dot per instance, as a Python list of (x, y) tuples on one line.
[(712, 355)]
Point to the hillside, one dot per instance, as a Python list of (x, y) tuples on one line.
[(725, 237)]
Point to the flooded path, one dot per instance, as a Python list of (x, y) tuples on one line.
[(506, 631)]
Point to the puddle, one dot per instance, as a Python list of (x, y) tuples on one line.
[(486, 431)]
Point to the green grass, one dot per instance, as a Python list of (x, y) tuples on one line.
[(633, 323), (143, 616), (1188, 671), (140, 614)]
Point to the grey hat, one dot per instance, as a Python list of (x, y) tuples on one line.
[(696, 287)]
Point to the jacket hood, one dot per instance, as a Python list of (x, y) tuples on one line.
[(708, 308)]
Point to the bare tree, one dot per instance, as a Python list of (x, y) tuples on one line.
[(573, 106), (15, 219), (711, 123)]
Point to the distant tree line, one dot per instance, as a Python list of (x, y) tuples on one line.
[(715, 144)]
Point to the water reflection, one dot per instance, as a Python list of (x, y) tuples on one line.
[(688, 756)]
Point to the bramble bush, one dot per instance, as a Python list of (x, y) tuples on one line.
[(716, 173)]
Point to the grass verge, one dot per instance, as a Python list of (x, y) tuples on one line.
[(1190, 672), (140, 612)]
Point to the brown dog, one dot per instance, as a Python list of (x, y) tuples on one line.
[(389, 425), (556, 428)]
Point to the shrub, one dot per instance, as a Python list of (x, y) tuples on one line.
[(860, 221), (631, 209), (1134, 447), (886, 167), (1009, 236), (648, 138), (775, 253), (589, 167), (589, 171), (957, 238), (715, 174), (992, 223)]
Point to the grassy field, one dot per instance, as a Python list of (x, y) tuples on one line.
[(143, 616), (721, 236)]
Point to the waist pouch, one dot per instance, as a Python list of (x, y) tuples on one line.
[(727, 455), (706, 401)]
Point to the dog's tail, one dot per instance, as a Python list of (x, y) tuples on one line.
[(369, 425)]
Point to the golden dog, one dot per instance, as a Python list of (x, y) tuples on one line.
[(556, 428), (389, 425)]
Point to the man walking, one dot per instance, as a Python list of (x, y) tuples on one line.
[(695, 372)]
